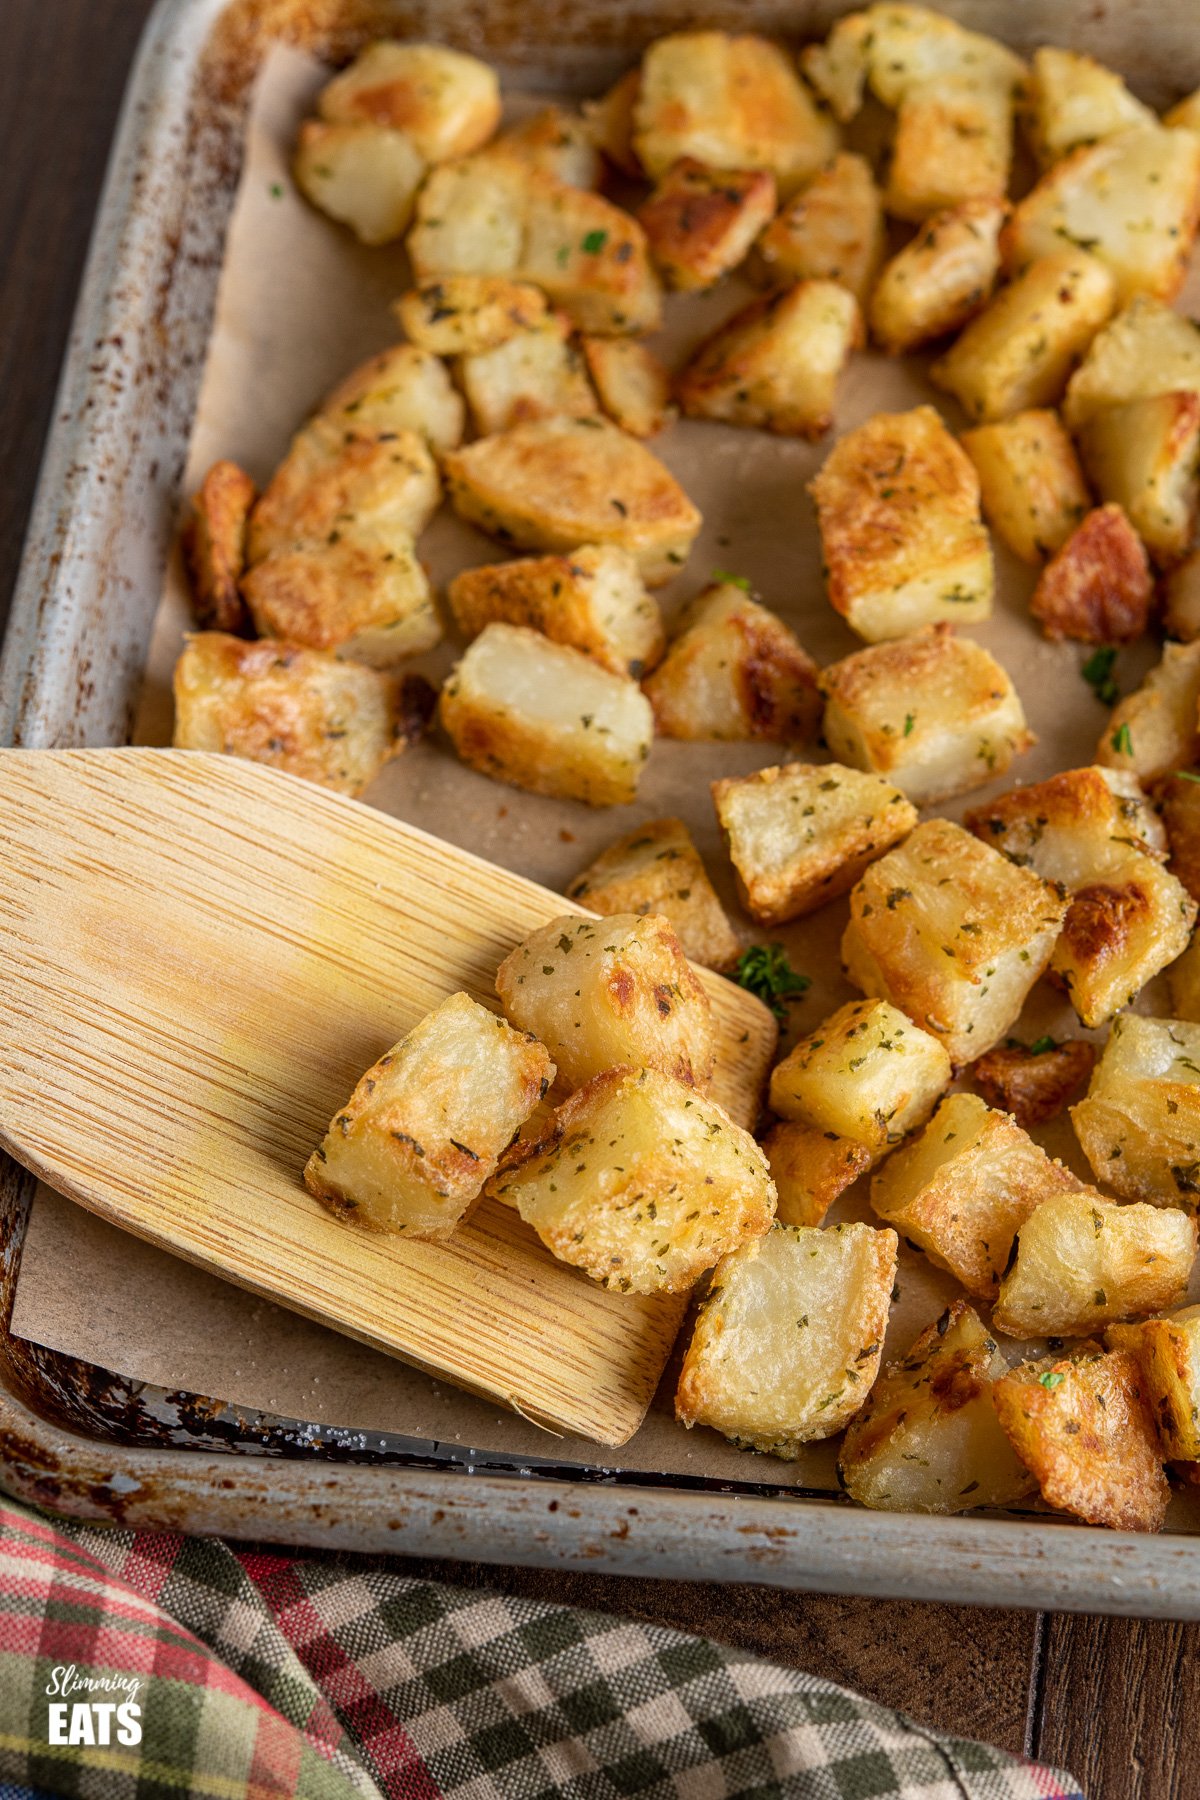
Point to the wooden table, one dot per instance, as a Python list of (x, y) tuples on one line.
[(1113, 1700)]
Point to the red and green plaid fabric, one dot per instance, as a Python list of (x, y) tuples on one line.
[(263, 1675)]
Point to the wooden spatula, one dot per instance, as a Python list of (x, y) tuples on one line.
[(198, 958)]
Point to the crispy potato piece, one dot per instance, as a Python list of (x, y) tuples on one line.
[(1144, 351), (953, 143), (810, 1168), (928, 1439), (598, 992), (734, 102), (214, 547), (334, 483), (1143, 455), (331, 722), (941, 278), (1072, 827), (953, 934), (1033, 1084), (866, 1073), (1181, 598), (556, 142), (776, 363), (463, 314), (1082, 1426), (831, 231), (1033, 490), (364, 596), (640, 1182), (1073, 100), (700, 222), (800, 834), (445, 103), (1119, 932), (402, 389), (610, 120), (537, 374), (656, 868), (1020, 350), (911, 46), (1179, 798), (1082, 1262), (593, 600), (422, 1133), (788, 1342), (1096, 589), (734, 673), (1183, 979), (1139, 1125), (546, 717), (471, 220), (633, 386), (1152, 731), (962, 1190), (902, 539), (362, 175), (1167, 1352), (837, 69), (1133, 201), (934, 713), (558, 483)]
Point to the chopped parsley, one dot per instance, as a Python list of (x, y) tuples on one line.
[(910, 720), (1040, 1046), (1051, 1378), (1186, 775), (594, 242), (765, 971), (1097, 671), (728, 580), (1122, 740), (276, 190)]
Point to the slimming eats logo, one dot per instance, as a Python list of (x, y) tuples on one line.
[(72, 1721)]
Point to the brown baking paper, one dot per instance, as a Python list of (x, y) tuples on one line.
[(300, 304)]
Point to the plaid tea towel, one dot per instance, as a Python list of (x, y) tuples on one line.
[(138, 1667)]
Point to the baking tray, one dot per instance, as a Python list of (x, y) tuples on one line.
[(85, 1442)]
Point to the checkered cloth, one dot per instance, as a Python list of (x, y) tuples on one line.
[(260, 1675)]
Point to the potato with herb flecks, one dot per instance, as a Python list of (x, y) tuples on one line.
[(1097, 587), (810, 1168), (1142, 456), (1071, 827), (1034, 493), (535, 374), (1167, 1352), (963, 1188), (1120, 930), (1033, 1083), (640, 1182), (423, 1131), (952, 144), (787, 1344), (734, 673), (214, 547), (402, 388), (1072, 99), (928, 1439), (632, 385), (656, 868), (360, 174), (1179, 797), (556, 142), (598, 992), (1152, 731), (365, 596), (594, 599), (941, 278), (701, 222), (1146, 349), (1139, 1124), (461, 315), (445, 102), (335, 483), (831, 231), (776, 363)]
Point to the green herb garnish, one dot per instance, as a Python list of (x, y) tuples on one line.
[(1185, 775), (595, 241), (1122, 741), (765, 971), (1051, 1378), (277, 190), (1097, 671), (1040, 1046), (728, 580)]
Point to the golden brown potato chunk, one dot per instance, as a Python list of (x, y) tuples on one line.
[(700, 222), (902, 538), (401, 389), (559, 483), (329, 721), (1181, 596), (1167, 1352), (838, 68), (463, 314), (1073, 827), (610, 120), (734, 673), (802, 833), (656, 868), (776, 363), (810, 1168), (214, 547), (1120, 930), (1072, 99), (953, 143), (556, 142), (445, 103), (963, 1189), (1145, 350), (633, 386), (788, 1342), (423, 1131), (640, 1182), (1179, 798), (1033, 1083), (593, 599), (535, 374), (1033, 490), (1097, 589), (831, 231), (1082, 1426), (598, 992), (1152, 732), (1140, 1122), (928, 1439), (364, 596), (362, 175), (953, 934), (334, 483), (1143, 455), (941, 278)]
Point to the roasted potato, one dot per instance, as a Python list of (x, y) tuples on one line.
[(444, 102), (962, 1190), (1152, 732), (800, 834), (461, 315), (1082, 1426), (423, 1131), (558, 483), (952, 144), (934, 713), (1181, 597), (1020, 350), (866, 1073), (593, 599), (788, 1341), (837, 69), (547, 718), (610, 121), (1167, 1352), (1143, 455), (403, 389), (1139, 1124), (656, 868), (536, 374), (1083, 1262), (1144, 351), (941, 278), (1073, 827), (953, 934), (633, 386), (362, 175), (214, 547), (776, 363), (334, 484), (363, 596), (332, 722), (1179, 798), (733, 672), (928, 1439), (1033, 489), (1120, 930), (1033, 1083), (640, 1182), (810, 1168), (598, 992), (1097, 588), (556, 142), (700, 222), (903, 47), (1072, 100), (902, 539), (831, 231)]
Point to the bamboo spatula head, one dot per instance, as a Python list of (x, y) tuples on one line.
[(200, 957)]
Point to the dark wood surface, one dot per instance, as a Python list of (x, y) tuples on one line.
[(1114, 1701)]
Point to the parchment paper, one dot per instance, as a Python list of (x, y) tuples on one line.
[(300, 304)]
